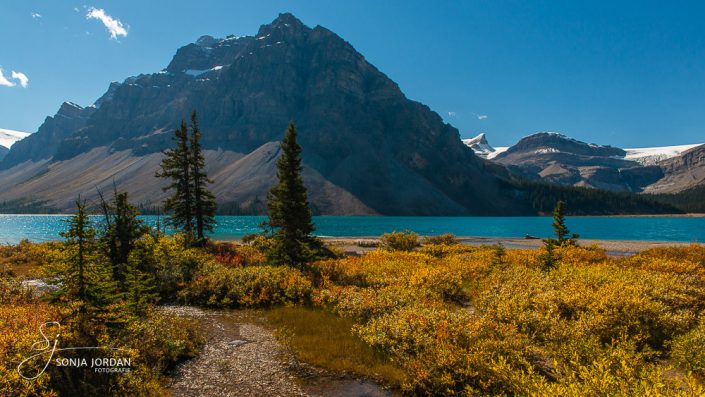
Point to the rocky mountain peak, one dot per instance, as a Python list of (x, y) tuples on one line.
[(554, 142), (206, 41), (69, 109), (479, 145)]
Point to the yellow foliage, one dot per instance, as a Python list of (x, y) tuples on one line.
[(463, 323)]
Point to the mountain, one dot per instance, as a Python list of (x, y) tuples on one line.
[(367, 148), (479, 145), (555, 158), (482, 148), (681, 172)]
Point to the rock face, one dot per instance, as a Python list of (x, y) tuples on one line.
[(367, 148), (45, 142), (556, 158), (681, 172)]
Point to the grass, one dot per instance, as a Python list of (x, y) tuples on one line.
[(325, 340)]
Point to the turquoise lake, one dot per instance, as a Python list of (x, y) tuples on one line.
[(14, 228)]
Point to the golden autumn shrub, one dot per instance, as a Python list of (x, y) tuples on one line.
[(462, 322), (688, 350), (441, 239), (400, 241), (19, 323), (252, 286)]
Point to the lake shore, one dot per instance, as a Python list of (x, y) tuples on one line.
[(360, 245), (613, 247)]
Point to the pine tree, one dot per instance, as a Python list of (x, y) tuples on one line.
[(122, 230), (140, 289), (204, 205), (79, 246), (86, 278), (176, 165), (289, 212), (563, 235), (548, 257)]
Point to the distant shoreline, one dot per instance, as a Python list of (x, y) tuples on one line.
[(613, 247)]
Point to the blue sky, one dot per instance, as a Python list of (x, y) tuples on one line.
[(629, 74)]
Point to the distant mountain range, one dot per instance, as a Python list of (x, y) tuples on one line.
[(555, 158), (367, 149)]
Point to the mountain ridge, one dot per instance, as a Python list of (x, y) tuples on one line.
[(362, 137), (557, 158)]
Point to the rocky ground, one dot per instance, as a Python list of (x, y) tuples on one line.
[(241, 357)]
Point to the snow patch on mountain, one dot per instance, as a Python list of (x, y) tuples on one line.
[(653, 155), (497, 151), (479, 145), (9, 137)]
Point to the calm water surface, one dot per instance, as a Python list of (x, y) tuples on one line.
[(14, 228)]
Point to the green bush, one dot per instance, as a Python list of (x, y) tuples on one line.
[(442, 239), (252, 286), (171, 264), (400, 241)]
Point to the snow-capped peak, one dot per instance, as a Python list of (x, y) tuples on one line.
[(479, 145), (9, 137)]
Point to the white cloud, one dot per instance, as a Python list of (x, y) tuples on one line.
[(114, 26), (452, 114), (36, 15), (21, 77), (481, 116), (4, 81)]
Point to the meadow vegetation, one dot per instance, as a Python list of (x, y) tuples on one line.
[(431, 317)]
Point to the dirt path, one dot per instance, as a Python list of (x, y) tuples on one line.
[(241, 357)]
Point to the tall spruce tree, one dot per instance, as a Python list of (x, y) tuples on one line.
[(86, 278), (204, 205), (122, 229), (176, 166), (563, 235), (288, 208)]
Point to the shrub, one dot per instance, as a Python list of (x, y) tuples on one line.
[(20, 330), (171, 264), (236, 255), (441, 239), (253, 286), (400, 241), (688, 350)]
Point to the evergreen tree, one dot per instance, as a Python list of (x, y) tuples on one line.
[(79, 246), (140, 287), (563, 235), (204, 205), (176, 166), (548, 257), (289, 212), (122, 230), (86, 278)]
